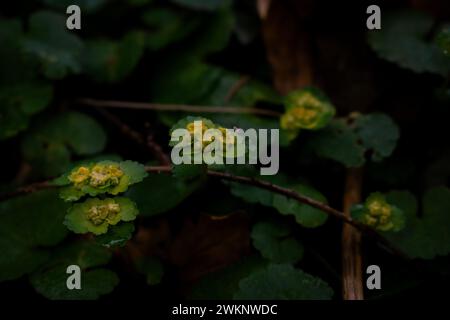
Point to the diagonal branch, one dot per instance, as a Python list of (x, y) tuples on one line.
[(176, 107), (248, 181)]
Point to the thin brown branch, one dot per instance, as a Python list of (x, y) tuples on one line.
[(27, 189), (236, 87), (352, 279), (176, 107), (126, 130), (253, 182)]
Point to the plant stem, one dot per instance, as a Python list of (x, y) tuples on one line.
[(352, 281), (176, 107), (248, 181), (126, 130), (27, 189)]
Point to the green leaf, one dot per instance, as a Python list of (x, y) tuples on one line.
[(159, 193), (443, 40), (282, 282), (402, 41), (200, 84), (19, 102), (86, 6), (203, 5), (222, 284), (49, 145), (338, 142), (58, 49), (96, 216), (425, 236), (378, 133), (152, 268), (110, 61), (50, 280), (117, 235), (29, 224), (167, 26), (189, 171), (21, 93), (276, 242), (304, 214)]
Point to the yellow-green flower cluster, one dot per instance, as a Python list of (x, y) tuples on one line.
[(379, 214), (227, 140), (306, 109), (101, 177), (96, 215), (98, 176)]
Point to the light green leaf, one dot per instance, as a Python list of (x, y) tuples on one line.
[(276, 242), (282, 282), (97, 215)]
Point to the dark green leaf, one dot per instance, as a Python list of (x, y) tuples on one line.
[(338, 142), (167, 26), (378, 133), (58, 50), (29, 223), (443, 40), (402, 41), (117, 235), (222, 284), (276, 242), (282, 282), (159, 193), (152, 268), (88, 6), (203, 5), (50, 144), (51, 279), (109, 61), (426, 236)]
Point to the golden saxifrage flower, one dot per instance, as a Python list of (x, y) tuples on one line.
[(379, 214), (306, 109), (101, 177), (96, 215)]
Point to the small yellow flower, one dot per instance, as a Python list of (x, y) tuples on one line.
[(79, 176), (102, 175), (101, 213), (191, 126)]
